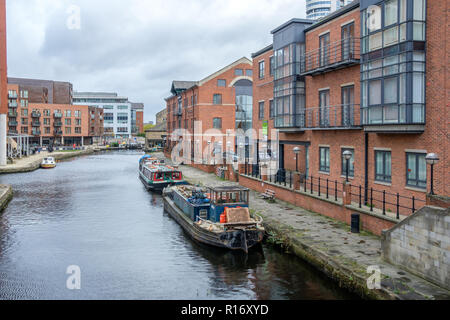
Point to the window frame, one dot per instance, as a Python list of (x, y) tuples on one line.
[(214, 123), (261, 105), (261, 69), (218, 95), (384, 175), (416, 185), (325, 168)]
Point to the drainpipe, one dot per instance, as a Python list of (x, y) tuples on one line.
[(366, 166)]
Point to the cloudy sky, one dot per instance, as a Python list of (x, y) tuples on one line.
[(137, 47)]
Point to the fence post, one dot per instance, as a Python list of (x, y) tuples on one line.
[(413, 205), (312, 179), (398, 205), (327, 188), (384, 202), (347, 194), (319, 187), (371, 199), (335, 190), (360, 196)]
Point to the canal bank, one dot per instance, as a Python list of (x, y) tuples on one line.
[(330, 247), (6, 194), (33, 162)]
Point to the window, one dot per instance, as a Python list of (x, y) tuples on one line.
[(24, 112), (122, 107), (24, 94), (324, 43), (390, 12), (261, 110), (46, 113), (383, 166), (78, 122), (109, 117), (108, 107), (217, 123), (24, 103), (122, 130), (416, 170), (272, 65), (261, 69), (122, 118), (217, 99), (24, 121), (324, 159), (47, 130), (249, 72), (271, 109), (77, 130), (351, 168), (221, 83), (77, 114), (68, 113), (68, 130), (68, 122), (47, 121), (238, 72)]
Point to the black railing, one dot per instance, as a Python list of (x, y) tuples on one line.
[(385, 201), (322, 187)]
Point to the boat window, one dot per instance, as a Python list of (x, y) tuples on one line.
[(159, 176), (177, 176)]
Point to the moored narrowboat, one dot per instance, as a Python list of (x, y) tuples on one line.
[(156, 176), (218, 216)]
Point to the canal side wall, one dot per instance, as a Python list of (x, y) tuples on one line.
[(6, 194), (421, 245), (336, 210)]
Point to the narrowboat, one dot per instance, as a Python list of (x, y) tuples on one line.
[(155, 175), (216, 216), (48, 163)]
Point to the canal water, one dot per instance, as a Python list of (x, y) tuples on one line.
[(93, 212)]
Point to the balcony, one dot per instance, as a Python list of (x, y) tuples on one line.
[(36, 132), (36, 123), (12, 123), (12, 104), (13, 132), (12, 114), (12, 95), (57, 115), (35, 114), (57, 124), (336, 55), (57, 132), (341, 117)]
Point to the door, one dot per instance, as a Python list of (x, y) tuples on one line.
[(324, 48), (347, 111), (324, 109), (347, 38)]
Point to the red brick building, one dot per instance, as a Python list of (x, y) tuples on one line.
[(48, 124), (378, 90), (221, 101)]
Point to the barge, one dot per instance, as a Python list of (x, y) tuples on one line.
[(217, 216), (156, 176)]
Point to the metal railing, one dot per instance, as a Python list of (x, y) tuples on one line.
[(340, 116), (35, 114), (345, 51), (385, 201)]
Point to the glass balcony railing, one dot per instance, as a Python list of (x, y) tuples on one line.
[(327, 117), (330, 57)]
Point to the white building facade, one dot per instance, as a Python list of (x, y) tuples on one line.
[(316, 9), (116, 112)]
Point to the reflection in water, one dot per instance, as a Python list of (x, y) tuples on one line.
[(95, 213)]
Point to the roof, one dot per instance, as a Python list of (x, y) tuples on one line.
[(160, 127), (335, 14), (263, 50), (228, 188), (294, 20)]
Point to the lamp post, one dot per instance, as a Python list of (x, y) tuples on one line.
[(297, 152), (347, 156), (432, 159)]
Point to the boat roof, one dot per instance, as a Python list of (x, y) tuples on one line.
[(160, 168), (228, 188)]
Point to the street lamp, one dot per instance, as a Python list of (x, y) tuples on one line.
[(347, 156), (432, 159), (297, 152)]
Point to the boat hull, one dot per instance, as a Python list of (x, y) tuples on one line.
[(237, 239), (48, 166)]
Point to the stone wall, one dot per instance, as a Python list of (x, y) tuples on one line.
[(421, 244)]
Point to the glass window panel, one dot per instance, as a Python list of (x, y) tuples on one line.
[(375, 41), (403, 32), (375, 114), (402, 10), (418, 66), (379, 163), (391, 36), (419, 31), (390, 12), (411, 166), (402, 114), (422, 167), (375, 92), (391, 114), (419, 10), (390, 60), (418, 115), (387, 164), (390, 90), (418, 56), (402, 88), (418, 88)]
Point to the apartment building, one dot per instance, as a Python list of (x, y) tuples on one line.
[(369, 79), (45, 91), (96, 126), (221, 101), (317, 9), (44, 123), (3, 84), (117, 115)]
